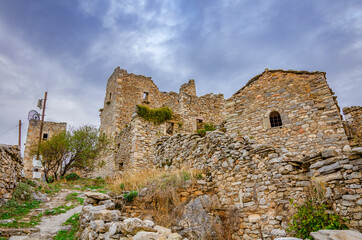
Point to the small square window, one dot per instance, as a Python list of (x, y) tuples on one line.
[(145, 96), (45, 136), (199, 123)]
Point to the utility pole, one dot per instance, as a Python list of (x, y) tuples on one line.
[(42, 123), (19, 134)]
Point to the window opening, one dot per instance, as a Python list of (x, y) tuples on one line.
[(275, 119), (199, 123), (110, 96), (170, 127), (45, 136), (145, 96)]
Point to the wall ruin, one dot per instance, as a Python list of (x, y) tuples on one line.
[(126, 90), (11, 170), (353, 117), (260, 179)]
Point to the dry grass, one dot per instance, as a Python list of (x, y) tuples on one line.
[(137, 180), (162, 196)]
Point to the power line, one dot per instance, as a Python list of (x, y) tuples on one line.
[(1, 134)]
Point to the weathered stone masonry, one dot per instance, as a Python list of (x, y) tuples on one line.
[(353, 127), (134, 137), (281, 131), (260, 179), (310, 116), (11, 170)]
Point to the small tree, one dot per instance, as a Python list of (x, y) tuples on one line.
[(68, 150)]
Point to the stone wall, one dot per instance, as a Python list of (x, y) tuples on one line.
[(310, 116), (32, 140), (353, 116), (11, 170), (260, 179), (126, 90)]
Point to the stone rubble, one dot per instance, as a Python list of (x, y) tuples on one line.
[(100, 221)]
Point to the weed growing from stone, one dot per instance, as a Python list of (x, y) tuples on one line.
[(73, 197), (71, 234), (129, 197), (156, 116), (59, 210)]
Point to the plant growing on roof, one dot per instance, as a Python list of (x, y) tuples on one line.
[(157, 116)]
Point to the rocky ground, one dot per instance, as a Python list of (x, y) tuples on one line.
[(49, 225)]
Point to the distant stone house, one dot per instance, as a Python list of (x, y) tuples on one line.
[(293, 110)]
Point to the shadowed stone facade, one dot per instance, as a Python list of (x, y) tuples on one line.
[(32, 139)]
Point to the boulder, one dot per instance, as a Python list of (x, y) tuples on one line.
[(195, 221), (131, 226), (97, 195)]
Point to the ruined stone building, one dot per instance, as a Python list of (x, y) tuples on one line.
[(32, 166), (292, 110), (278, 134)]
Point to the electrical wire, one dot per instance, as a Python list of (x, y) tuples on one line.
[(6, 131)]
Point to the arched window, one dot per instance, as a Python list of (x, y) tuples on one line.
[(275, 119)]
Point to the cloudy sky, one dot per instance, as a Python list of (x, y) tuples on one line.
[(70, 47)]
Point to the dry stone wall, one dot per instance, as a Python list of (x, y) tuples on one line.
[(353, 116), (11, 170), (260, 180), (310, 116)]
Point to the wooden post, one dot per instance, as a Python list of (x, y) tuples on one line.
[(19, 134), (42, 123)]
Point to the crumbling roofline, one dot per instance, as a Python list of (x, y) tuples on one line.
[(276, 70)]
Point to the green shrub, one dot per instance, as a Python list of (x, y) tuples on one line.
[(72, 177), (50, 179), (31, 183), (129, 197), (156, 116), (206, 128), (22, 192), (312, 216)]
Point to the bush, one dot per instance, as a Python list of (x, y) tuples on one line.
[(129, 197), (72, 177), (207, 128), (22, 192), (156, 116)]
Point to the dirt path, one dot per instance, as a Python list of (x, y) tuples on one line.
[(50, 225)]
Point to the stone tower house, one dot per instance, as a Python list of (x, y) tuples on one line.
[(32, 167)]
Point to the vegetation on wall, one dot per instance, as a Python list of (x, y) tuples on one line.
[(206, 128), (313, 214), (156, 116)]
